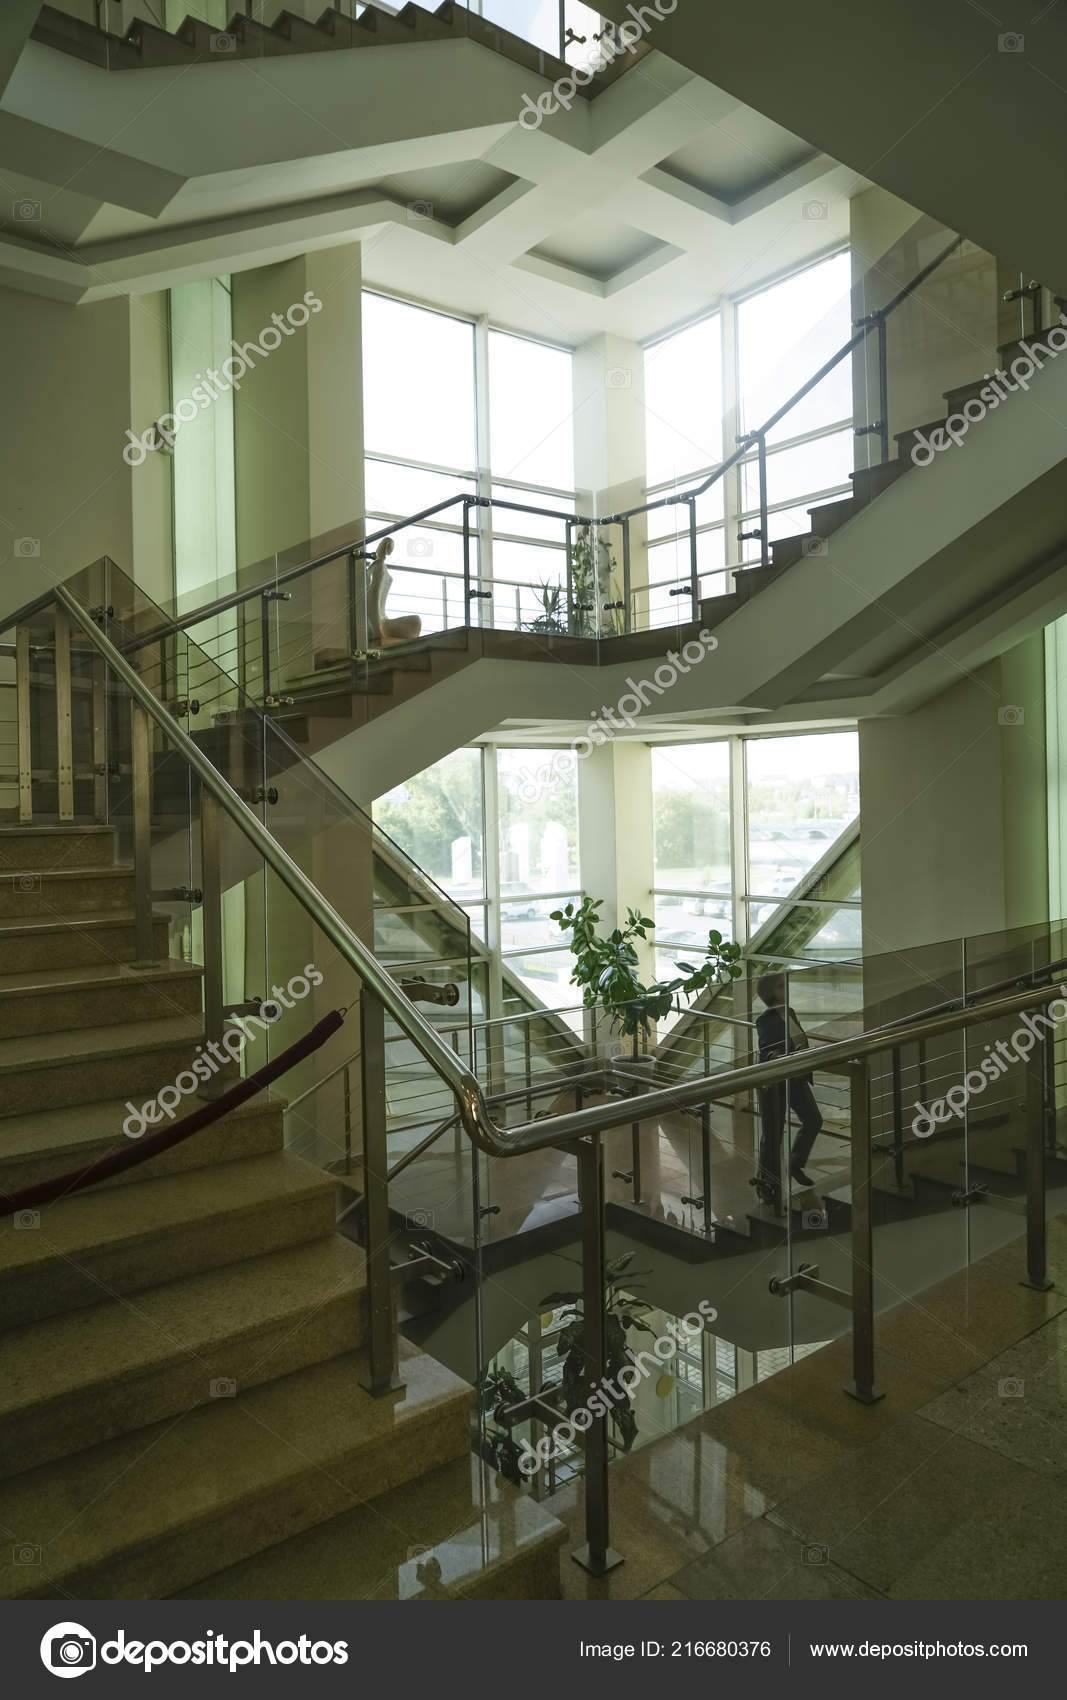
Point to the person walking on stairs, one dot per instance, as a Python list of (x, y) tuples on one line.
[(779, 1033)]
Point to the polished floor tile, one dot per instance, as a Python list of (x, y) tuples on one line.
[(890, 1503), (766, 1562), (1016, 1404)]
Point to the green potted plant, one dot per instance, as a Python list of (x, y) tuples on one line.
[(622, 1314), (592, 583), (550, 621), (606, 968)]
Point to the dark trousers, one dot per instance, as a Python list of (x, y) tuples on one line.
[(772, 1106)]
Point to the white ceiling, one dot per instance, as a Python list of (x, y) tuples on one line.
[(628, 214)]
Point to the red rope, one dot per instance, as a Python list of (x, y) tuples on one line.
[(129, 1154)]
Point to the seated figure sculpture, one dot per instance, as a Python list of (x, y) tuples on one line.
[(381, 630)]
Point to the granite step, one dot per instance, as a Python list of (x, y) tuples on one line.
[(55, 847), (75, 941), (72, 1382), (47, 892), (43, 1144), (459, 1532), (133, 1058), (122, 1239), (147, 1514), (54, 1000)]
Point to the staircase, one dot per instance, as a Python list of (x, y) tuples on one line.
[(181, 1347)]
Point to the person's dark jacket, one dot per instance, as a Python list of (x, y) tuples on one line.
[(773, 1037)]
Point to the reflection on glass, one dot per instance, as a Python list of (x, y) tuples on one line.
[(538, 829), (784, 334), (436, 817), (801, 794), (691, 815)]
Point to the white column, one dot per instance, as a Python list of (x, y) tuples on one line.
[(609, 442)]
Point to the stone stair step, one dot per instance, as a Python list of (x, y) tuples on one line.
[(149, 1513), (46, 1143), (49, 1070), (457, 1532), (75, 941), (53, 1000), (74, 1381), (121, 1239), (47, 892), (55, 847)]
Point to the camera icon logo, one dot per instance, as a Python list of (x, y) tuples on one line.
[(27, 1219), (815, 210), (618, 378), (420, 547), (1011, 715), (223, 1387), (420, 1218), (68, 1649), (1011, 1387), (26, 212), (24, 883), (223, 42), (28, 548), (815, 1555), (27, 1554), (419, 210), (815, 1220), (1011, 42), (815, 546)]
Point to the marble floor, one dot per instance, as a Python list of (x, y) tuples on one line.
[(953, 1486)]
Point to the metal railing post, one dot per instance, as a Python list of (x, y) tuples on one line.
[(597, 1555), (141, 799), (264, 640), (1037, 1110), (467, 586), (211, 886), (380, 1376), (627, 618), (883, 389), (694, 574), (862, 1386), (25, 734), (764, 547), (64, 722)]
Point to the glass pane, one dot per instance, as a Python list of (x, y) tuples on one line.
[(802, 793), (418, 383), (538, 791), (548, 974), (691, 814), (683, 403), (507, 520), (822, 464), (533, 20), (401, 490), (531, 411), (526, 924), (436, 817), (686, 921), (784, 334)]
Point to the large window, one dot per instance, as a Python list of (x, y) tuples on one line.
[(739, 822), (436, 817), (450, 410), (782, 335), (538, 863)]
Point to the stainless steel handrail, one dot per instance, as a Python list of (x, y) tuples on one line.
[(471, 1102)]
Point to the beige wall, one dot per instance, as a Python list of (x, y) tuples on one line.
[(954, 813), (75, 379)]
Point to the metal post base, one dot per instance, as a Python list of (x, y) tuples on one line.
[(595, 1567), (864, 1395), (378, 1390), (1045, 1286)]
